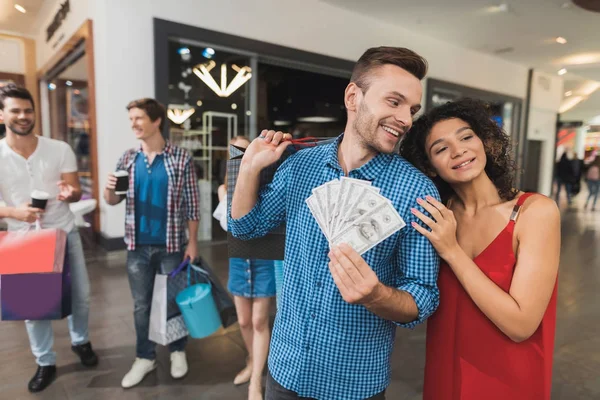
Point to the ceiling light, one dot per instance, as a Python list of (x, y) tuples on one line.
[(580, 59), (184, 50), (562, 71), (20, 8), (317, 119), (199, 103), (208, 52), (234, 106), (588, 88), (248, 113), (51, 86), (202, 71), (561, 40), (503, 7), (569, 103), (179, 114), (281, 123), (569, 93), (69, 83)]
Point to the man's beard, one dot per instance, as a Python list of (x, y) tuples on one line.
[(367, 130), (20, 130)]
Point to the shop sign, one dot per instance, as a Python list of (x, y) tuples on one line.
[(58, 20)]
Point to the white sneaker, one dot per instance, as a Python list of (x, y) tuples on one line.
[(179, 366), (140, 368)]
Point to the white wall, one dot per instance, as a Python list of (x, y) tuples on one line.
[(546, 95), (123, 31), (79, 12), (12, 56)]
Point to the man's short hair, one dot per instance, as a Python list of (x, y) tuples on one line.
[(16, 92), (153, 109), (375, 57)]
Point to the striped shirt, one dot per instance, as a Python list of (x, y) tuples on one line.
[(182, 195)]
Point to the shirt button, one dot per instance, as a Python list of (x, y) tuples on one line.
[(307, 348), (313, 315), (318, 284), (249, 280), (248, 270)]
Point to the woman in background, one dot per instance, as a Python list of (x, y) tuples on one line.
[(252, 284), (492, 336)]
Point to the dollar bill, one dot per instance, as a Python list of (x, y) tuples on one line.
[(320, 200), (332, 190), (313, 206), (371, 229), (363, 200), (347, 192)]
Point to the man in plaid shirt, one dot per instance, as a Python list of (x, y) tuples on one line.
[(162, 195)]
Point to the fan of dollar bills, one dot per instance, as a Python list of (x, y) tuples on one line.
[(354, 212)]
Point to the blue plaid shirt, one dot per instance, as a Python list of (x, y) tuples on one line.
[(323, 347)]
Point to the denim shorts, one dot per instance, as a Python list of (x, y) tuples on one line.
[(251, 278)]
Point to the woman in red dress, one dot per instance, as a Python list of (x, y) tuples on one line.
[(492, 337)]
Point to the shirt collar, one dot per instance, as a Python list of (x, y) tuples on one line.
[(368, 171), (168, 149)]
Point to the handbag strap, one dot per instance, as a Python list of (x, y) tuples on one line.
[(179, 268)]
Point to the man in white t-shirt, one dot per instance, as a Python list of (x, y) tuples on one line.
[(32, 163)]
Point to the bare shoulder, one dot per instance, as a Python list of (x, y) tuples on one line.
[(539, 212)]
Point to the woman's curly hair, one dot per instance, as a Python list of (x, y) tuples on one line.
[(500, 166)]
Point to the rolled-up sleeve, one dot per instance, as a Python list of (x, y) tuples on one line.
[(270, 209), (419, 266), (191, 193)]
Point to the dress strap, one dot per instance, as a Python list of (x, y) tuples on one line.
[(515, 213)]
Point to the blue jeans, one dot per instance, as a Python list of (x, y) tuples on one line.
[(41, 336), (142, 266), (568, 189), (593, 187)]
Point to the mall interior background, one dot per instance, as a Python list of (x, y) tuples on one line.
[(285, 65)]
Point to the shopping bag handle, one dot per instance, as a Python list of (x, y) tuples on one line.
[(180, 267), (199, 271)]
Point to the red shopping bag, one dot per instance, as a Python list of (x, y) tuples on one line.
[(32, 252)]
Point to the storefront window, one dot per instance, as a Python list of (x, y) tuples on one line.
[(69, 116), (216, 94)]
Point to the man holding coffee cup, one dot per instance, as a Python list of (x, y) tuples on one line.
[(38, 180), (159, 183)]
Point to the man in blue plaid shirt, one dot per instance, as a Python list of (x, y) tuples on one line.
[(161, 201), (334, 329)]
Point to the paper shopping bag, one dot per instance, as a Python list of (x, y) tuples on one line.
[(36, 251), (166, 322), (37, 296)]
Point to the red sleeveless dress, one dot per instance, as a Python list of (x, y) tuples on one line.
[(468, 357)]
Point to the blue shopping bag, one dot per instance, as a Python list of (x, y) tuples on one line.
[(197, 304)]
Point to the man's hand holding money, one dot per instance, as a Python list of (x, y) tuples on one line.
[(355, 279)]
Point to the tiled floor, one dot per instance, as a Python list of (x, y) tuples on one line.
[(215, 361)]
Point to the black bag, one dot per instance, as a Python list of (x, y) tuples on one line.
[(272, 245), (223, 300)]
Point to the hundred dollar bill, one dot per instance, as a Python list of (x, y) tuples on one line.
[(313, 206), (320, 194), (332, 189), (364, 200), (348, 189), (371, 229)]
